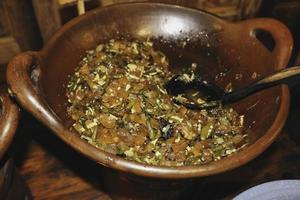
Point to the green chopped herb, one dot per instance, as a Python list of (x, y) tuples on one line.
[(118, 103)]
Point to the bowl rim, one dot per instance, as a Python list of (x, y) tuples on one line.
[(9, 118), (141, 169)]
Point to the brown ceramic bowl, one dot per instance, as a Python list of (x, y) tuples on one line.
[(38, 79), (9, 117), (12, 185)]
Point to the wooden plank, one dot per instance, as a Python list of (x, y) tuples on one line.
[(107, 2), (55, 171), (80, 7), (18, 20), (8, 49), (2, 30), (248, 9), (224, 11), (64, 3), (50, 176), (2, 74), (190, 3), (49, 179), (297, 60), (48, 17)]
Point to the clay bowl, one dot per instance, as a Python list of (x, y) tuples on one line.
[(38, 79), (9, 117), (12, 186)]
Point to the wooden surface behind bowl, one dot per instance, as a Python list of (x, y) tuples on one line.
[(216, 45)]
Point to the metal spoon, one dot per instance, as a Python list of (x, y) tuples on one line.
[(214, 96)]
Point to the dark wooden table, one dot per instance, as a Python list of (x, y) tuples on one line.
[(55, 171)]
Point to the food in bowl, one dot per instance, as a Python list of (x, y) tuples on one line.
[(118, 103)]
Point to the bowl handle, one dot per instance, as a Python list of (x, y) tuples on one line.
[(22, 78), (9, 117), (280, 33)]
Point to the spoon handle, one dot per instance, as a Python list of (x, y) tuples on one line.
[(266, 82)]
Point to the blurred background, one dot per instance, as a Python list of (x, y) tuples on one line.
[(53, 171), (27, 24)]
